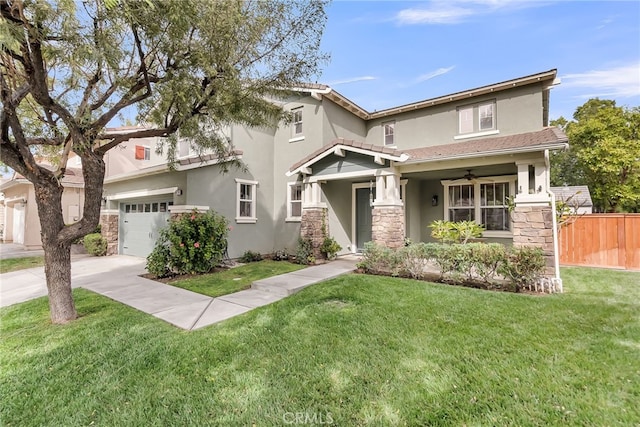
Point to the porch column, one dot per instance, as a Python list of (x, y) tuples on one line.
[(109, 229), (314, 223), (533, 226), (387, 222)]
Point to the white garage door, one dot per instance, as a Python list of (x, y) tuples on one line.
[(140, 225), (18, 223)]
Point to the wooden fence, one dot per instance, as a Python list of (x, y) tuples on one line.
[(602, 240)]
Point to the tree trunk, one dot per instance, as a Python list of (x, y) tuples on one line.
[(57, 254), (57, 269)]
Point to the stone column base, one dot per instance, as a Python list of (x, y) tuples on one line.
[(533, 226), (387, 226), (311, 227), (109, 229)]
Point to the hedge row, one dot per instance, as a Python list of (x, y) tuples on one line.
[(492, 265)]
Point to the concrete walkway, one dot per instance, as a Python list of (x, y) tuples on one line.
[(117, 277)]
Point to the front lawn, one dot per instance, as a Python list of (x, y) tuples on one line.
[(235, 279), (356, 350), (13, 264)]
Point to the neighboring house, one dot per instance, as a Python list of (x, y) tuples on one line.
[(21, 221), (378, 176), (577, 198)]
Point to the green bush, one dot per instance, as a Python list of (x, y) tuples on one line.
[(330, 248), (523, 266), (250, 256), (378, 259), (194, 243), (95, 244), (455, 232), (487, 259), (304, 252), (471, 263)]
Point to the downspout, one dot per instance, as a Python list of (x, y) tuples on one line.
[(557, 280)]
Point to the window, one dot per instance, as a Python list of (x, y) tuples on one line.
[(246, 207), (486, 116), (494, 213), (483, 201), (388, 129), (297, 122), (294, 201), (461, 203), (477, 119), (466, 120), (142, 152)]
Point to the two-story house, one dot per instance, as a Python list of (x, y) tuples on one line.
[(381, 176)]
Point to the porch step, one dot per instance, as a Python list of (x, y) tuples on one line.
[(290, 283)]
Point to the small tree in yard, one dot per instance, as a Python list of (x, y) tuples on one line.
[(69, 68)]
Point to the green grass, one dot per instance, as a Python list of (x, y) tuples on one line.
[(235, 279), (361, 350), (13, 264)]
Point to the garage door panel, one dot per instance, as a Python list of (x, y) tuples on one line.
[(140, 230)]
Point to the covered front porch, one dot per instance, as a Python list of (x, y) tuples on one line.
[(357, 193)]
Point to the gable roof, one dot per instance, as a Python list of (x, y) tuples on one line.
[(342, 144), (319, 90), (579, 194), (545, 139)]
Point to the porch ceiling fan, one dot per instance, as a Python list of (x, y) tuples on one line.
[(469, 176)]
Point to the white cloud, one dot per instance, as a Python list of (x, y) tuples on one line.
[(622, 81), (434, 15), (457, 11), (434, 73), (351, 80)]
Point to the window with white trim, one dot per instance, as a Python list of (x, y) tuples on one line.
[(477, 118), (297, 122), (483, 200), (246, 201), (388, 131), (494, 212), (294, 201)]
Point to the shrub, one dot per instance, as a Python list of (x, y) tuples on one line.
[(523, 266), (95, 244), (455, 232), (487, 259), (304, 252), (330, 247), (413, 259), (281, 255), (250, 256), (378, 259), (193, 243)]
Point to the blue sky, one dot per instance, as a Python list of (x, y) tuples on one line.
[(385, 54)]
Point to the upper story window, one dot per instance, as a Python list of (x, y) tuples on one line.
[(477, 120), (483, 201), (142, 152), (297, 122), (485, 113), (294, 201), (246, 201), (388, 130)]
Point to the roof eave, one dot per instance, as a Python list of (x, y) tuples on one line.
[(519, 150), (496, 87)]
